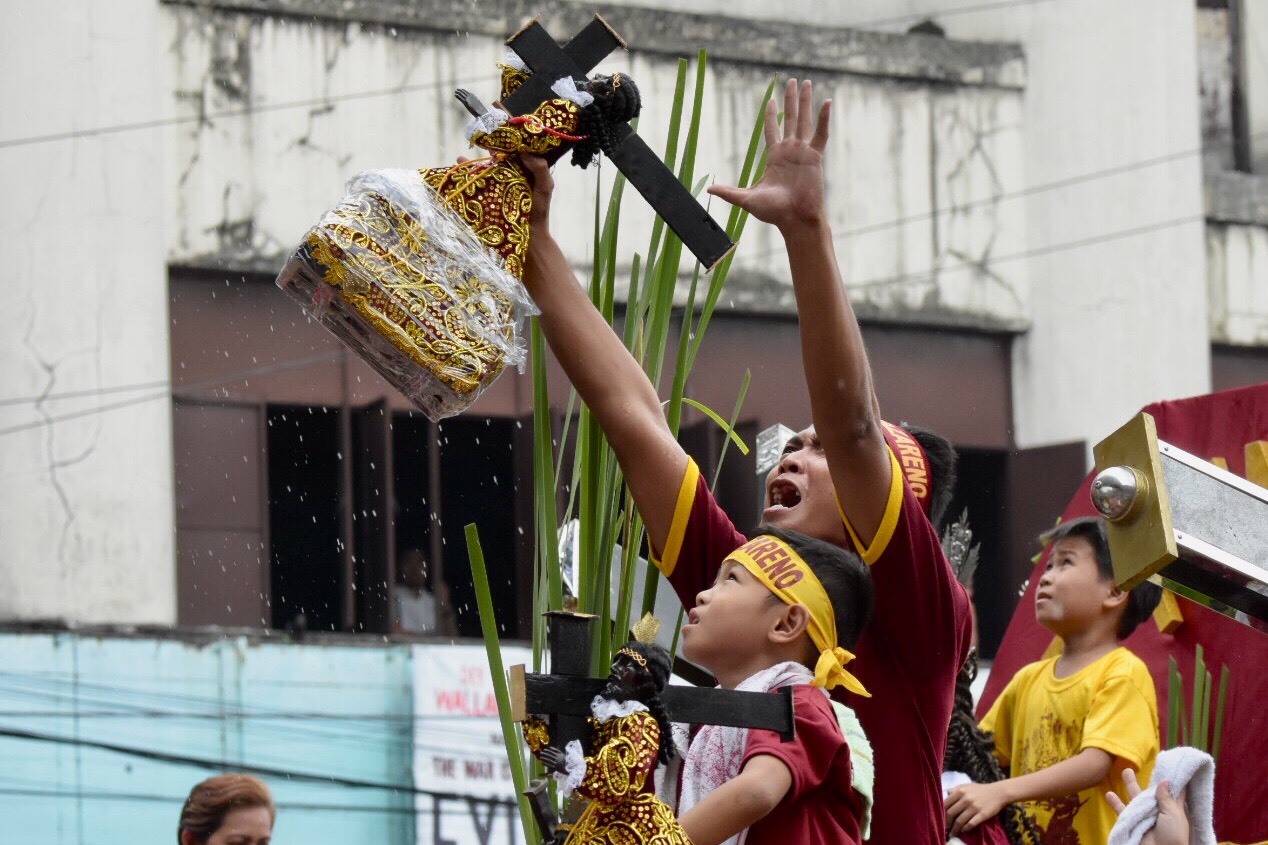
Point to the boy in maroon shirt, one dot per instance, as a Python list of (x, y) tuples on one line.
[(781, 613), (849, 479)]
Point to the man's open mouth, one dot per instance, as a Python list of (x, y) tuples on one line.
[(784, 494)]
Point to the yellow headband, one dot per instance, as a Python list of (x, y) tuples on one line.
[(784, 573)]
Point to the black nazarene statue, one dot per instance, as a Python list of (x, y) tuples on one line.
[(629, 736)]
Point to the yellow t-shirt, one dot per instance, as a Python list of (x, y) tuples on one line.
[(1040, 720)]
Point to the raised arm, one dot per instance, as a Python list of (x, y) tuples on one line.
[(843, 404), (607, 377), (970, 805)]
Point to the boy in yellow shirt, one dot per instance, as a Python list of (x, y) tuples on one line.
[(1066, 727)]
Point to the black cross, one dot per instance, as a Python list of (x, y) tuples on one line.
[(548, 62), (564, 697)]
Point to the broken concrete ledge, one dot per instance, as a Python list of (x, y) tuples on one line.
[(731, 40), (1234, 197)]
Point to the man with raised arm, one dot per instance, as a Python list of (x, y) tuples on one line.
[(849, 478)]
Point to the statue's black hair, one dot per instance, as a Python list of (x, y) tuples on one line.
[(651, 683), (616, 102), (971, 750)]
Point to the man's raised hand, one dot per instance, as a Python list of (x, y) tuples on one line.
[(790, 192), (543, 189)]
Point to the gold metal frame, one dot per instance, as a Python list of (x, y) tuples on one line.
[(1143, 541)]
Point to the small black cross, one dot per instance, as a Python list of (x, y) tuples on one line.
[(564, 697), (548, 62), (565, 694)]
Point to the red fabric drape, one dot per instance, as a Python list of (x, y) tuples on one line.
[(1216, 425)]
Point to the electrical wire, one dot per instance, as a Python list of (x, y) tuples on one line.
[(1092, 240), (79, 394), (243, 111), (996, 6), (100, 701), (227, 765), (52, 789), (922, 276), (285, 366), (1044, 187), (176, 801)]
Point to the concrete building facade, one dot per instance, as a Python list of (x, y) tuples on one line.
[(1035, 214)]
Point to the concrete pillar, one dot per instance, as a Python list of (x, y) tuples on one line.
[(86, 496)]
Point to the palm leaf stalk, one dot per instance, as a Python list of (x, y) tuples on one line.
[(596, 489), (493, 647), (1199, 726)]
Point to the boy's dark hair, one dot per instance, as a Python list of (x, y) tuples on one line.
[(845, 578), (942, 469), (1141, 600)]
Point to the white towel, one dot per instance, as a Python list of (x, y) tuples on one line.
[(1181, 768)]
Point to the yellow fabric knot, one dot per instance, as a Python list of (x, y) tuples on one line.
[(782, 571), (830, 672)]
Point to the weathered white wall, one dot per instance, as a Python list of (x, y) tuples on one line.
[(1254, 59), (1237, 258), (245, 187), (227, 135), (1116, 260), (85, 497), (1115, 263), (1215, 87)]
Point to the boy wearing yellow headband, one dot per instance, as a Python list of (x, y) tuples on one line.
[(782, 612)]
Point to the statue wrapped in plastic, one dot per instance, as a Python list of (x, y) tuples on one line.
[(419, 271)]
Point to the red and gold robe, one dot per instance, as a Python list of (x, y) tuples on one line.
[(419, 271), (620, 811)]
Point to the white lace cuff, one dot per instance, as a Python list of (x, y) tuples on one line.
[(486, 123), (605, 708), (566, 87), (512, 60), (574, 767), (681, 733)]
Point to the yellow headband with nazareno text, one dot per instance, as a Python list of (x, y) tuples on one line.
[(786, 574)]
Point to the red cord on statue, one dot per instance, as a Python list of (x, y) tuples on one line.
[(533, 119)]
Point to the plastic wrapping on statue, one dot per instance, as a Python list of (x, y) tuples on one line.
[(398, 276), (418, 271)]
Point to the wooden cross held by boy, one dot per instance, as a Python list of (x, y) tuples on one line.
[(564, 697), (548, 62)]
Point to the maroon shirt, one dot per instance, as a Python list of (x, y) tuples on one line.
[(989, 832), (907, 659), (821, 806)]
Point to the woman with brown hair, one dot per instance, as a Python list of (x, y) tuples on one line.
[(227, 810)]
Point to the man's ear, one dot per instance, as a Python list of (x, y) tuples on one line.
[(188, 837), (790, 624)]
